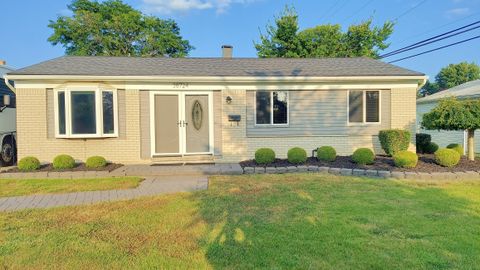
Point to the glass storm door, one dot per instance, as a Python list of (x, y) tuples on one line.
[(167, 119), (181, 124)]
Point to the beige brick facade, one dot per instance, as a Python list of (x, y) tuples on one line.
[(34, 139), (403, 111)]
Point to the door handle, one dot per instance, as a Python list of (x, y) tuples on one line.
[(179, 123)]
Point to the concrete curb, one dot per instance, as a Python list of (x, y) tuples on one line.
[(364, 172), (141, 170)]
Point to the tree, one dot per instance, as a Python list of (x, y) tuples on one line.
[(428, 89), (285, 40), (451, 76), (456, 74), (453, 114), (113, 28)]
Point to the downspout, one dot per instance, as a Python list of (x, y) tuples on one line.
[(7, 82)]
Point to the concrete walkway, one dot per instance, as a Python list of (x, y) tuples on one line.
[(149, 187)]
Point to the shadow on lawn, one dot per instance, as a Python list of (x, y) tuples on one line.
[(266, 222)]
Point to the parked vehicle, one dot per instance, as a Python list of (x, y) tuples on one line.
[(8, 134)]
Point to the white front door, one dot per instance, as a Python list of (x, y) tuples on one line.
[(182, 123)]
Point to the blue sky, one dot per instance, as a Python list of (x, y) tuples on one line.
[(208, 24)]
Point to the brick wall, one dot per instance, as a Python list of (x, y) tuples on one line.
[(33, 140), (403, 111)]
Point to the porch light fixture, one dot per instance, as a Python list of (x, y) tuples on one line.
[(228, 99)]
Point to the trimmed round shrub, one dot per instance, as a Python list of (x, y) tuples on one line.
[(457, 147), (431, 148), (423, 140), (264, 156), (447, 157), (96, 162), (394, 140), (297, 155), (61, 162), (326, 153), (405, 159), (363, 156), (28, 164)]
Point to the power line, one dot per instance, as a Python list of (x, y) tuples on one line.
[(436, 28), (410, 10), (432, 39), (360, 9), (339, 8), (330, 9), (436, 49)]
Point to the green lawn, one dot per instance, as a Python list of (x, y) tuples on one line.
[(267, 221), (17, 187)]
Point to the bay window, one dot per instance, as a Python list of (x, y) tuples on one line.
[(363, 106), (271, 108), (85, 113)]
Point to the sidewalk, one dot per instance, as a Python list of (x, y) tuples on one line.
[(149, 187)]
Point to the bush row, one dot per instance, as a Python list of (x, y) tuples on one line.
[(60, 162)]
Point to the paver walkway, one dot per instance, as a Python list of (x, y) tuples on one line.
[(148, 187)]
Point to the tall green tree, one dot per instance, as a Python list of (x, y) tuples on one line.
[(283, 39), (453, 114), (456, 74), (451, 76), (113, 28)]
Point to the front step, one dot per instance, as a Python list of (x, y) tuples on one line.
[(183, 160)]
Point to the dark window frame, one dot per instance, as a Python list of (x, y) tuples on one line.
[(271, 110)]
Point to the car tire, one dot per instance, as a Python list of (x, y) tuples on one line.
[(7, 153)]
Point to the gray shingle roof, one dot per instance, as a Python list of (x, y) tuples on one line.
[(463, 91), (137, 66)]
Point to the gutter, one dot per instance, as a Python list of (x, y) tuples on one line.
[(208, 79), (7, 82)]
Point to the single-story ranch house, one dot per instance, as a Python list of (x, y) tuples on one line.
[(469, 90), (148, 110)]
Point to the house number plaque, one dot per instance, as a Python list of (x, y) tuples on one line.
[(180, 85)]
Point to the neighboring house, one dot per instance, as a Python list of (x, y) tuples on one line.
[(469, 90), (134, 110)]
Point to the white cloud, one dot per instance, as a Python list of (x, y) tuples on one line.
[(454, 12), (170, 6)]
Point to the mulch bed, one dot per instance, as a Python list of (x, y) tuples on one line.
[(426, 163), (79, 167)]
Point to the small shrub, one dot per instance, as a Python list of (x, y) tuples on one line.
[(363, 156), (457, 147), (423, 140), (264, 156), (96, 162), (447, 157), (431, 148), (297, 155), (394, 140), (28, 164), (405, 159), (61, 162), (326, 153)]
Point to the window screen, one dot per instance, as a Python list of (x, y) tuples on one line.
[(83, 112), (263, 107), (373, 106), (355, 106), (108, 115)]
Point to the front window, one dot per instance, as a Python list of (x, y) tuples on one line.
[(363, 106), (271, 108), (86, 113)]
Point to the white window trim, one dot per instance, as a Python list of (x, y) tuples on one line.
[(98, 113), (271, 124), (364, 103)]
